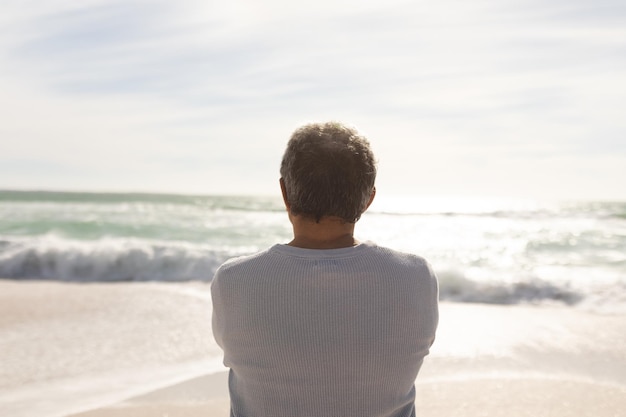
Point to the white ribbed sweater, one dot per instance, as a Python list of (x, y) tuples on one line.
[(324, 333)]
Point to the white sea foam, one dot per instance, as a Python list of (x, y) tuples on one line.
[(108, 259), (115, 259)]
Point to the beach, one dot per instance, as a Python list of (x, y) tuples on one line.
[(145, 349)]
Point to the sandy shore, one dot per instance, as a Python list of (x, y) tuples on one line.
[(521, 397), (108, 350)]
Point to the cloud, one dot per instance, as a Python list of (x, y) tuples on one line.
[(158, 88)]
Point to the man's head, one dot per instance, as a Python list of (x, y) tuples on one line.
[(328, 170)]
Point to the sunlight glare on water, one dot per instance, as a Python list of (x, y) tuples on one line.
[(448, 204), (461, 233)]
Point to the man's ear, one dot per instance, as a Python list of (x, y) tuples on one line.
[(283, 190), (371, 198)]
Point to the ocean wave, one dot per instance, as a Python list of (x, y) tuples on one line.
[(453, 286), (108, 260), (111, 259)]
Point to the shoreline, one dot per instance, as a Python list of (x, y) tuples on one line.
[(145, 349)]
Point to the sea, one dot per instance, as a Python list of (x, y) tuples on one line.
[(484, 250), (527, 283)]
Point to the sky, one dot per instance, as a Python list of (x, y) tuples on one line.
[(516, 98)]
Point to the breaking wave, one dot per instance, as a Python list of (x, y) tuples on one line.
[(108, 260), (124, 260)]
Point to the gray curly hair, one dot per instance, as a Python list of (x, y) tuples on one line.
[(328, 169)]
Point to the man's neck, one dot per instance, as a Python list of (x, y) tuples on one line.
[(328, 233)]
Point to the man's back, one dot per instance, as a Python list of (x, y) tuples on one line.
[(339, 332)]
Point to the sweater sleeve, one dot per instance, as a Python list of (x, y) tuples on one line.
[(434, 300), (217, 321)]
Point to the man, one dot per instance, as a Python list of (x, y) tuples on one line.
[(325, 326)]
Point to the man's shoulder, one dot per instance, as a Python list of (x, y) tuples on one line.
[(397, 256), (243, 260)]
